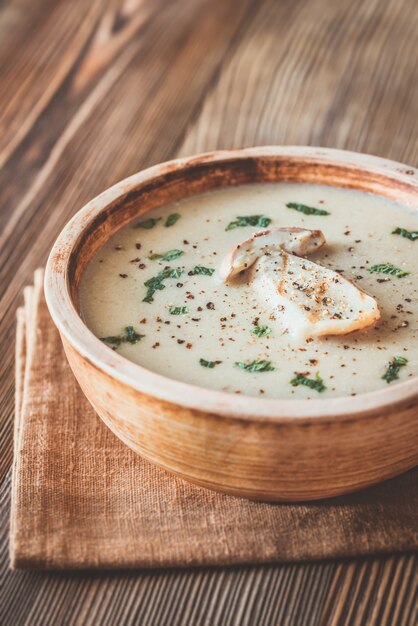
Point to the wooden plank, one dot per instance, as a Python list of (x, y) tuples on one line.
[(43, 51), (337, 74), (94, 91)]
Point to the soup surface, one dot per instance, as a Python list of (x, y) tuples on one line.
[(153, 293)]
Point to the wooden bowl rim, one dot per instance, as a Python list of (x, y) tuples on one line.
[(72, 328)]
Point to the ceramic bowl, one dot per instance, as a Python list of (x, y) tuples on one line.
[(264, 449)]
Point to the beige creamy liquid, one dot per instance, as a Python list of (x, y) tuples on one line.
[(220, 318)]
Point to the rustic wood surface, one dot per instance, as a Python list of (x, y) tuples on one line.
[(94, 91)]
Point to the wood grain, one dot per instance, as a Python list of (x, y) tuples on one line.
[(92, 92)]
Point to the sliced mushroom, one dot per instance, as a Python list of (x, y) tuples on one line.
[(310, 300), (300, 241)]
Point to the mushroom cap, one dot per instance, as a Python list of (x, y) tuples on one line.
[(299, 241), (310, 300)]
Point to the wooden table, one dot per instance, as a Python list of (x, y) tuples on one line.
[(92, 91)]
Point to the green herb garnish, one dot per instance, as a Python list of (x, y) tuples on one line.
[(256, 366), (129, 335), (167, 256), (261, 331), (307, 210), (249, 220), (388, 268), (178, 310), (313, 383), (393, 368), (115, 340), (156, 282), (172, 219), (199, 269), (208, 364), (147, 224), (409, 234)]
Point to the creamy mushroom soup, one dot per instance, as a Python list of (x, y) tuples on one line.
[(322, 303)]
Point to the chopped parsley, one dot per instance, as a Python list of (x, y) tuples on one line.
[(167, 256), (256, 366), (261, 331), (307, 210), (129, 335), (393, 368), (408, 234), (147, 224), (199, 269), (172, 219), (178, 310), (388, 268), (156, 282), (208, 364), (249, 220), (313, 383)]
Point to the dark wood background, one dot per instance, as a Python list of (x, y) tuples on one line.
[(92, 91)]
